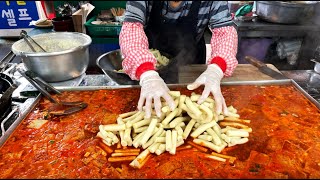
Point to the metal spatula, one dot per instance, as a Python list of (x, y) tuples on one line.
[(36, 81)]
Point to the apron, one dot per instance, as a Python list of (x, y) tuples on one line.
[(175, 39)]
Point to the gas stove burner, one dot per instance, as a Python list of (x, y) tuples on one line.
[(8, 120), (5, 114)]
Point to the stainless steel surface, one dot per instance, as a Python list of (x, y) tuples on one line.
[(316, 66), (316, 60), (22, 103), (110, 63), (6, 60), (3, 130), (314, 80), (309, 80), (284, 12), (272, 73), (57, 66), (264, 68), (300, 76), (31, 104)]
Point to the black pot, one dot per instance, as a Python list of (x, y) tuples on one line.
[(63, 24)]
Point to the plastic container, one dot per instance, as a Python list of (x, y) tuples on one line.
[(102, 30)]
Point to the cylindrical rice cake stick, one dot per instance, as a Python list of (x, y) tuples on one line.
[(202, 128), (127, 136), (139, 159), (188, 128), (215, 137), (140, 129), (177, 120), (237, 133), (136, 119), (175, 94), (152, 139), (114, 127), (182, 100), (154, 147), (174, 135), (161, 149), (131, 117), (179, 130), (127, 114), (160, 139), (209, 145), (141, 123), (149, 131), (193, 107), (168, 140), (205, 137), (170, 117)]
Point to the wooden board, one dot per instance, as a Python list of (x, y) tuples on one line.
[(243, 72)]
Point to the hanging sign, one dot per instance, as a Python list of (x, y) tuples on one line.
[(16, 15)]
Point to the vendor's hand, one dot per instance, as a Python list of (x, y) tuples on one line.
[(211, 78), (153, 88)]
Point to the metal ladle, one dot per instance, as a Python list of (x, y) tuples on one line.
[(25, 36)]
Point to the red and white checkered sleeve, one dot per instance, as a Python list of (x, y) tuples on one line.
[(135, 49), (224, 45)]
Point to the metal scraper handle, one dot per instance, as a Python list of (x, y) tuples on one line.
[(255, 61)]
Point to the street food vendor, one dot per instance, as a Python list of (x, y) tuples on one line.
[(177, 28)]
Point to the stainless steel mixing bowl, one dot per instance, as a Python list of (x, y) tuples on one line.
[(67, 55), (110, 63), (285, 12)]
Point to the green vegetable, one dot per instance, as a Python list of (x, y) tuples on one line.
[(161, 60)]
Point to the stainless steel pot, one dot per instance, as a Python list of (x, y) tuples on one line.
[(285, 12), (67, 55)]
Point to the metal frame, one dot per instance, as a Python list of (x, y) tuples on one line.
[(90, 88)]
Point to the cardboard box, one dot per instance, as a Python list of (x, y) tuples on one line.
[(77, 21), (79, 17)]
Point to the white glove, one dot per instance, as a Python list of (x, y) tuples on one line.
[(211, 78), (153, 88)]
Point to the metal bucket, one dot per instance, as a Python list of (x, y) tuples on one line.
[(67, 55)]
